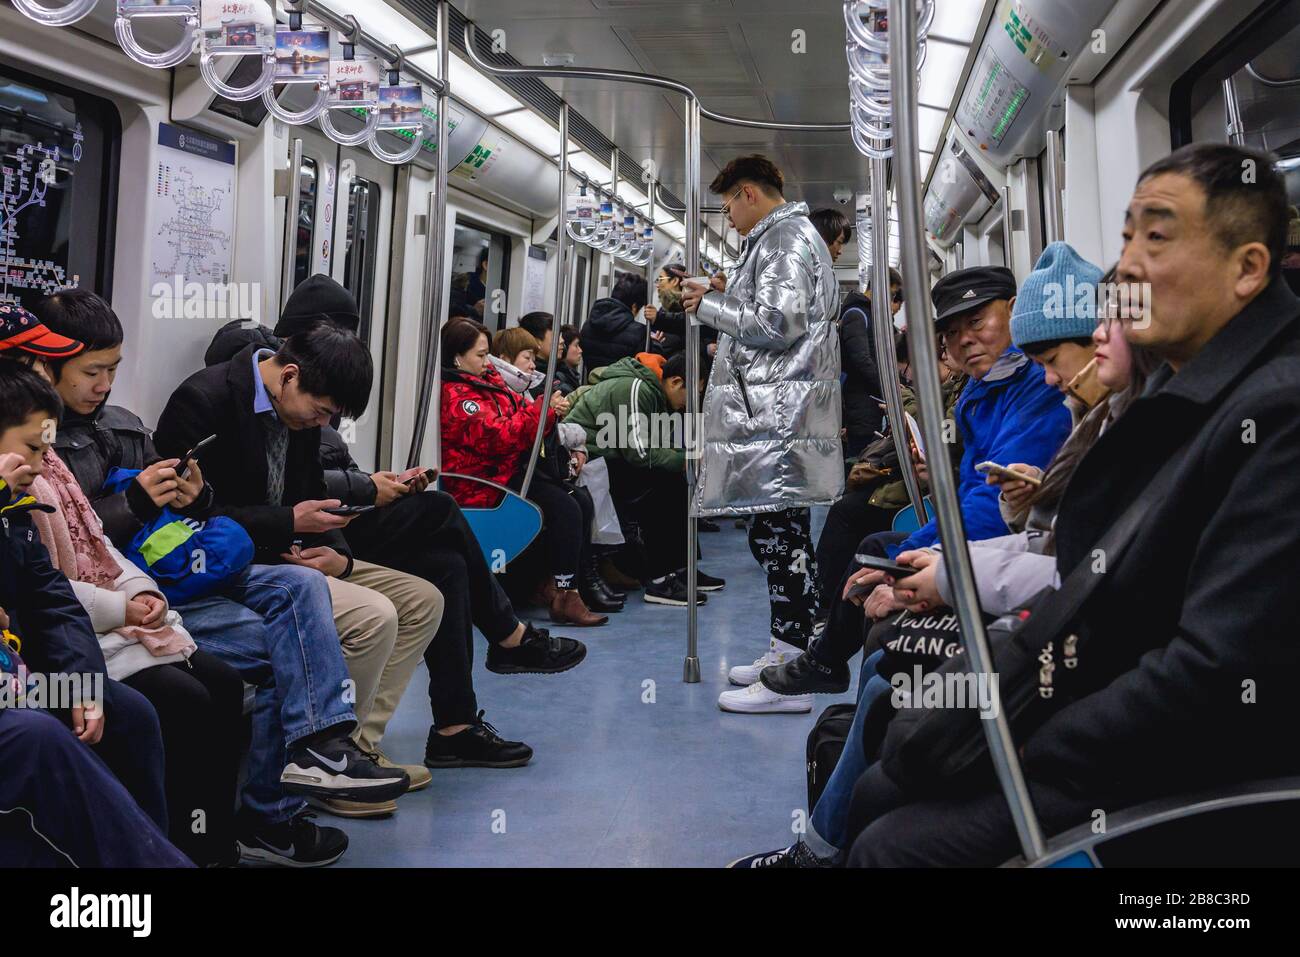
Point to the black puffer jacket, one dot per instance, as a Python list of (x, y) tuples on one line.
[(862, 415), (610, 333)]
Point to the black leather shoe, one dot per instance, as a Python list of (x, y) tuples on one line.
[(539, 653), (478, 746), (805, 675), (596, 594)]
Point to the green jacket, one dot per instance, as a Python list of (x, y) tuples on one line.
[(894, 494), (627, 416)]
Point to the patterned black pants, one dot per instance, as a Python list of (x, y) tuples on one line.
[(782, 544)]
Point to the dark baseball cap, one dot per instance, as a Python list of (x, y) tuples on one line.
[(19, 329), (968, 289)]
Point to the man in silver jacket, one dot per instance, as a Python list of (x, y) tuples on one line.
[(771, 422)]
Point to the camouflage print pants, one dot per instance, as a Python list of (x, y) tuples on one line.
[(782, 544)]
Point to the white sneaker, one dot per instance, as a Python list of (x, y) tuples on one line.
[(757, 699), (778, 653)]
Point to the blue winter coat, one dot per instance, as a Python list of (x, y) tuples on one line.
[(1011, 415)]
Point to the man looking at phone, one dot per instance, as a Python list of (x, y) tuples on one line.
[(771, 417), (267, 409), (421, 532), (1006, 413)]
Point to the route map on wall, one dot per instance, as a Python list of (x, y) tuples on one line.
[(28, 175), (194, 218)]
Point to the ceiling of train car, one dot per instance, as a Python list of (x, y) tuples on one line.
[(742, 57)]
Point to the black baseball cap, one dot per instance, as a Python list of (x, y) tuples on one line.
[(968, 289)]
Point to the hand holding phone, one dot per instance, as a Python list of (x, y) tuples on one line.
[(349, 510), (428, 475), (890, 568), (193, 454), (1005, 474)]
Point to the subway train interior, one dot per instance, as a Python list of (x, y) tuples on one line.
[(563, 180)]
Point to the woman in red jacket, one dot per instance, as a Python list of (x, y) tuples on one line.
[(487, 432)]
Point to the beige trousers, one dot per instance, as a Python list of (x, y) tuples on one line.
[(385, 620)]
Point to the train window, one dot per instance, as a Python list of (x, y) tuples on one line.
[(306, 220), (480, 263), (362, 238), (59, 150), (1248, 89)]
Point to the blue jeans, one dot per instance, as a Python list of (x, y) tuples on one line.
[(274, 624), (830, 816)]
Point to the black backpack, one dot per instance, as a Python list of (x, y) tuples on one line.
[(825, 745)]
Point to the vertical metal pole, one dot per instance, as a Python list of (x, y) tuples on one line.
[(1008, 237), (294, 179), (694, 427), (430, 394), (882, 330), (650, 270), (920, 331), (561, 297), (1052, 187), (1236, 128)]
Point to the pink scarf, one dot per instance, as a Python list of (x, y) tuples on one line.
[(75, 541)]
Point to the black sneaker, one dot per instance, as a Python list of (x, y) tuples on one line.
[(478, 746), (708, 582), (337, 768), (805, 675), (298, 842), (538, 654), (797, 854), (672, 591)]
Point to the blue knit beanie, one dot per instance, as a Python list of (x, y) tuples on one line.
[(1058, 300)]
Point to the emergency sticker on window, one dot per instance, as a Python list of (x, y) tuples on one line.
[(469, 407)]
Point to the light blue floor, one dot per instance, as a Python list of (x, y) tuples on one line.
[(615, 782)]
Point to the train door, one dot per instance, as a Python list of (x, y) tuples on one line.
[(342, 204)]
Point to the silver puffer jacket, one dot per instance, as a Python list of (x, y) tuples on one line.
[(771, 430)]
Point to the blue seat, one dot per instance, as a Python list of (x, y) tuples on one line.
[(905, 519), (505, 531)]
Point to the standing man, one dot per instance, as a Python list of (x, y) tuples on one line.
[(771, 425)]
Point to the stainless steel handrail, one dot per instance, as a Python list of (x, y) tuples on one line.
[(693, 431), (924, 358), (882, 330), (562, 242), (436, 269), (642, 79)]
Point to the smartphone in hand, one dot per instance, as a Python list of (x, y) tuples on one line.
[(894, 569), (349, 510), (428, 474), (1006, 474)]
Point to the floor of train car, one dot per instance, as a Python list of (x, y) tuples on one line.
[(614, 782)]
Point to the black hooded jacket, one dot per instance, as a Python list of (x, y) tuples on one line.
[(610, 333)]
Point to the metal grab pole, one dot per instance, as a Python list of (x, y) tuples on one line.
[(882, 329), (291, 200), (920, 326), (650, 270), (1235, 127), (692, 432), (561, 298), (1052, 187), (436, 272)]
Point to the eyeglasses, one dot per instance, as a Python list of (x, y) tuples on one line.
[(726, 207), (897, 298)]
